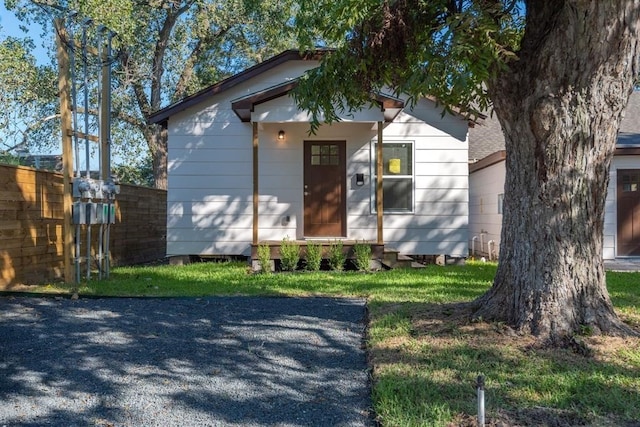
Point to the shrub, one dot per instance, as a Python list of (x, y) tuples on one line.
[(264, 258), (314, 256), (289, 255), (336, 256), (362, 252)]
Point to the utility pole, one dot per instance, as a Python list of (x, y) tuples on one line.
[(67, 148)]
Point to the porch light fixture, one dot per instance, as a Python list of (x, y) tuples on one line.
[(281, 135)]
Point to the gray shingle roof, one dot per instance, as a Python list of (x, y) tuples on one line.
[(486, 137)]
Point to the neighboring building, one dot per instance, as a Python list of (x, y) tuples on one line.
[(487, 177), (243, 169)]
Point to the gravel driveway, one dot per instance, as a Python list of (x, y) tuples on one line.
[(230, 361)]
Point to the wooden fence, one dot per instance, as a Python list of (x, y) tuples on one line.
[(31, 226)]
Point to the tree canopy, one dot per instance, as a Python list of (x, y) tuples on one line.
[(28, 97), (448, 50), (167, 50)]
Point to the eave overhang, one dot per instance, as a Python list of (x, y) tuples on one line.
[(243, 107)]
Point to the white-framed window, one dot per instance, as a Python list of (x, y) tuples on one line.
[(397, 178)]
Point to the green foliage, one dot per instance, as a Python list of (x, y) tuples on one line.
[(8, 159), (264, 258), (362, 252), (137, 174), (163, 52), (314, 256), (289, 255), (337, 257), (28, 98), (416, 48)]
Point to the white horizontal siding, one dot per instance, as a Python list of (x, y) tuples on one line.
[(211, 176), (209, 154), (485, 223), (436, 181), (203, 168), (284, 109)]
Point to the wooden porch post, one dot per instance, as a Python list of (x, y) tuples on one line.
[(379, 172), (67, 148), (255, 183)]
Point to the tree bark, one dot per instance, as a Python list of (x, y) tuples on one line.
[(560, 105), (157, 139)]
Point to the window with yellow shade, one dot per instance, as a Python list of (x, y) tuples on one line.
[(397, 178)]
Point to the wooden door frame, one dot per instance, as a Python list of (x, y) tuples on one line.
[(619, 173), (342, 144)]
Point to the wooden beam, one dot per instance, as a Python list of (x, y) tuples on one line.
[(255, 183), (67, 147), (379, 172), (90, 49), (82, 135)]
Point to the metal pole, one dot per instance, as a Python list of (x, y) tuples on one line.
[(105, 128), (107, 260), (77, 254), (480, 387), (85, 24), (101, 124), (74, 96), (100, 29)]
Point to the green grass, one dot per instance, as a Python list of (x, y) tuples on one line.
[(425, 361)]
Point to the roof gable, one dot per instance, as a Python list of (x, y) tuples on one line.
[(230, 82)]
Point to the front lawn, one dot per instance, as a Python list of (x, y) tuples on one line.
[(425, 353)]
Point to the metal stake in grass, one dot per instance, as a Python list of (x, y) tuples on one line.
[(480, 386)]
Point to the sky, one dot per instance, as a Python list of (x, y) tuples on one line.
[(10, 26)]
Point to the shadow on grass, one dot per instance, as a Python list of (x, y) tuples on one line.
[(427, 358)]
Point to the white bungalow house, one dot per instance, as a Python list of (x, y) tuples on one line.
[(243, 169), (487, 177)]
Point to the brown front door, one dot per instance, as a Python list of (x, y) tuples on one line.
[(628, 195), (324, 188)]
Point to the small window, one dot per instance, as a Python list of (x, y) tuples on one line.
[(322, 155), (630, 182), (500, 202), (397, 178)]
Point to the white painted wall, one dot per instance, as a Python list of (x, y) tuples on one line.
[(210, 175), (439, 223), (485, 223), (487, 183)]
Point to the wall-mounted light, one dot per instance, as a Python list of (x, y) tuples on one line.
[(281, 135), (359, 179)]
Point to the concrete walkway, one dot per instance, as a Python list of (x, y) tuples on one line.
[(623, 264)]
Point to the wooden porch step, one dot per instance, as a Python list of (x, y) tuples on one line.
[(392, 258)]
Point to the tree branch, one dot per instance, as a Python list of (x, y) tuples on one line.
[(187, 72), (159, 53)]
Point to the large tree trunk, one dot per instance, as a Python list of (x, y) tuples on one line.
[(157, 140), (560, 106)]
